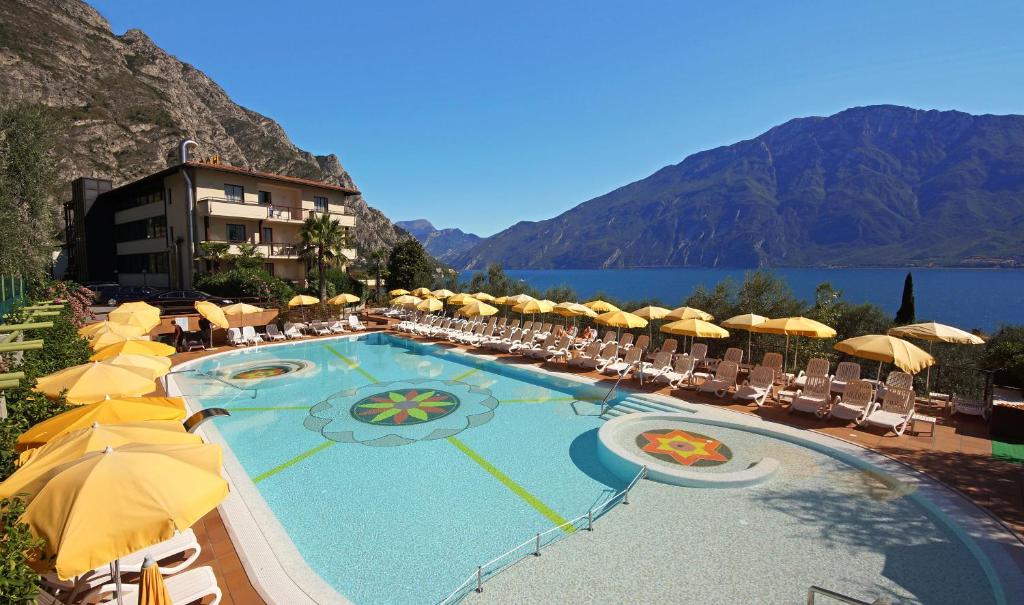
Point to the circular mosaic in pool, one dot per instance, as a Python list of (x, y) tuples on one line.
[(404, 406), (263, 370), (683, 447), (401, 412)]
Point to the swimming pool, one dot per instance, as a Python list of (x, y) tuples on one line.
[(395, 468)]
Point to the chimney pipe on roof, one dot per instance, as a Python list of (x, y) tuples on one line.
[(183, 149)]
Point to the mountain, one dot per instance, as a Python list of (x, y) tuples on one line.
[(123, 104), (442, 244), (880, 185)]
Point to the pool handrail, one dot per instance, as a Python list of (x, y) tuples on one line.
[(537, 543), (837, 596)]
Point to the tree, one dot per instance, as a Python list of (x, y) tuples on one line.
[(322, 241), (905, 314), (249, 257), (215, 252), (409, 265), (27, 180), (378, 267)]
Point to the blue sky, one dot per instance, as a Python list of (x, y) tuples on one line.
[(481, 114)]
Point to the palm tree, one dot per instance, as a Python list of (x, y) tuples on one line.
[(322, 241)]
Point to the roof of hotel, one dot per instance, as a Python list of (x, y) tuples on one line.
[(283, 178)]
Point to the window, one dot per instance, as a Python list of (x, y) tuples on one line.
[(319, 203), (264, 197), (269, 268), (234, 193), (236, 233), (141, 198), (153, 227), (137, 263), (268, 235)]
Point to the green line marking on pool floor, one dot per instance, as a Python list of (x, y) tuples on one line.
[(271, 408), (547, 400), (465, 374), (514, 487), (351, 364), (280, 467)]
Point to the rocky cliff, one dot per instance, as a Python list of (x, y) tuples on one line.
[(880, 185), (122, 104), (442, 244)]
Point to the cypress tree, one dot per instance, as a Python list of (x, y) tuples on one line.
[(905, 314)]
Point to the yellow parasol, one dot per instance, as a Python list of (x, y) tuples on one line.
[(406, 300), (689, 313), (152, 590), (443, 293), (95, 381), (241, 309), (620, 319), (72, 446), (108, 327), (213, 313), (430, 305), (134, 347), (516, 299), (887, 349), (936, 332), (794, 326), (111, 503), (697, 328), (89, 329), (650, 313), (460, 299), (109, 338), (421, 292), (139, 314), (108, 411), (397, 292), (600, 306), (343, 299), (501, 300), (745, 322), (150, 366), (476, 309), (534, 306), (483, 296), (303, 300), (567, 309)]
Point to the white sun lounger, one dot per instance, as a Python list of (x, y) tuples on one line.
[(273, 333), (650, 370), (626, 364), (846, 372), (682, 372), (725, 379), (895, 411), (854, 402), (814, 397), (757, 387), (184, 588), (235, 337)]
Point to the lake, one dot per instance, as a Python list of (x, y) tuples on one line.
[(966, 298)]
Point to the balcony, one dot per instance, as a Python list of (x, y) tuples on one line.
[(269, 250), (270, 212)]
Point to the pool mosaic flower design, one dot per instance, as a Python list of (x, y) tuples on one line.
[(684, 448), (401, 412), (263, 370), (405, 406)]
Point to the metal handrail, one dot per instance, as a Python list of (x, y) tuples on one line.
[(622, 374), (212, 377), (536, 543), (815, 590)]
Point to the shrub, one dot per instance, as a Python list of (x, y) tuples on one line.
[(1004, 353), (18, 581), (247, 282)]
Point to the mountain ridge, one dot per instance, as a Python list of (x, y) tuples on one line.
[(123, 103), (442, 244), (869, 185)]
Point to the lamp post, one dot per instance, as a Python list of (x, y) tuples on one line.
[(143, 278)]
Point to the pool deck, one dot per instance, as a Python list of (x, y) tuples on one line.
[(959, 454)]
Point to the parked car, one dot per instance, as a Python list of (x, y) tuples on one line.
[(115, 294), (183, 298)]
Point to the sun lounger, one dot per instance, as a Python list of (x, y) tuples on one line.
[(816, 366), (561, 348), (641, 343), (320, 328), (624, 365), (250, 336), (734, 355), (897, 379), (625, 341), (273, 333), (235, 337), (354, 324), (187, 587), (591, 351), (854, 402), (606, 355), (337, 327), (724, 379), (540, 350), (757, 387), (895, 411), (682, 372), (669, 345), (650, 370), (292, 331), (774, 361), (814, 397), (846, 372), (525, 341)]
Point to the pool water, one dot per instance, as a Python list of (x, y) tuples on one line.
[(402, 520), (397, 467)]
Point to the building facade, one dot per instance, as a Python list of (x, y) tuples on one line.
[(151, 232)]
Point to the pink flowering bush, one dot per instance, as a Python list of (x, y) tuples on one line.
[(77, 298)]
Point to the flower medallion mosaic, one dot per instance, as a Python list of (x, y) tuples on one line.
[(401, 412), (264, 370)]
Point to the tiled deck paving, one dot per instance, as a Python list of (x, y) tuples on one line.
[(959, 454)]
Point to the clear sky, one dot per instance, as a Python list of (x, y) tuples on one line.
[(479, 114)]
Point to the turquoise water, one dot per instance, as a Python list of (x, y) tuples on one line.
[(403, 513), (406, 523), (968, 298)]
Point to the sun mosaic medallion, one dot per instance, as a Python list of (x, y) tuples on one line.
[(681, 447), (405, 406), (401, 412), (263, 370)]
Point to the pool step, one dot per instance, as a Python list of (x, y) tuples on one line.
[(632, 405)]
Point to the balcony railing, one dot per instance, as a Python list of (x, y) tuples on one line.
[(267, 249), (282, 212)]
